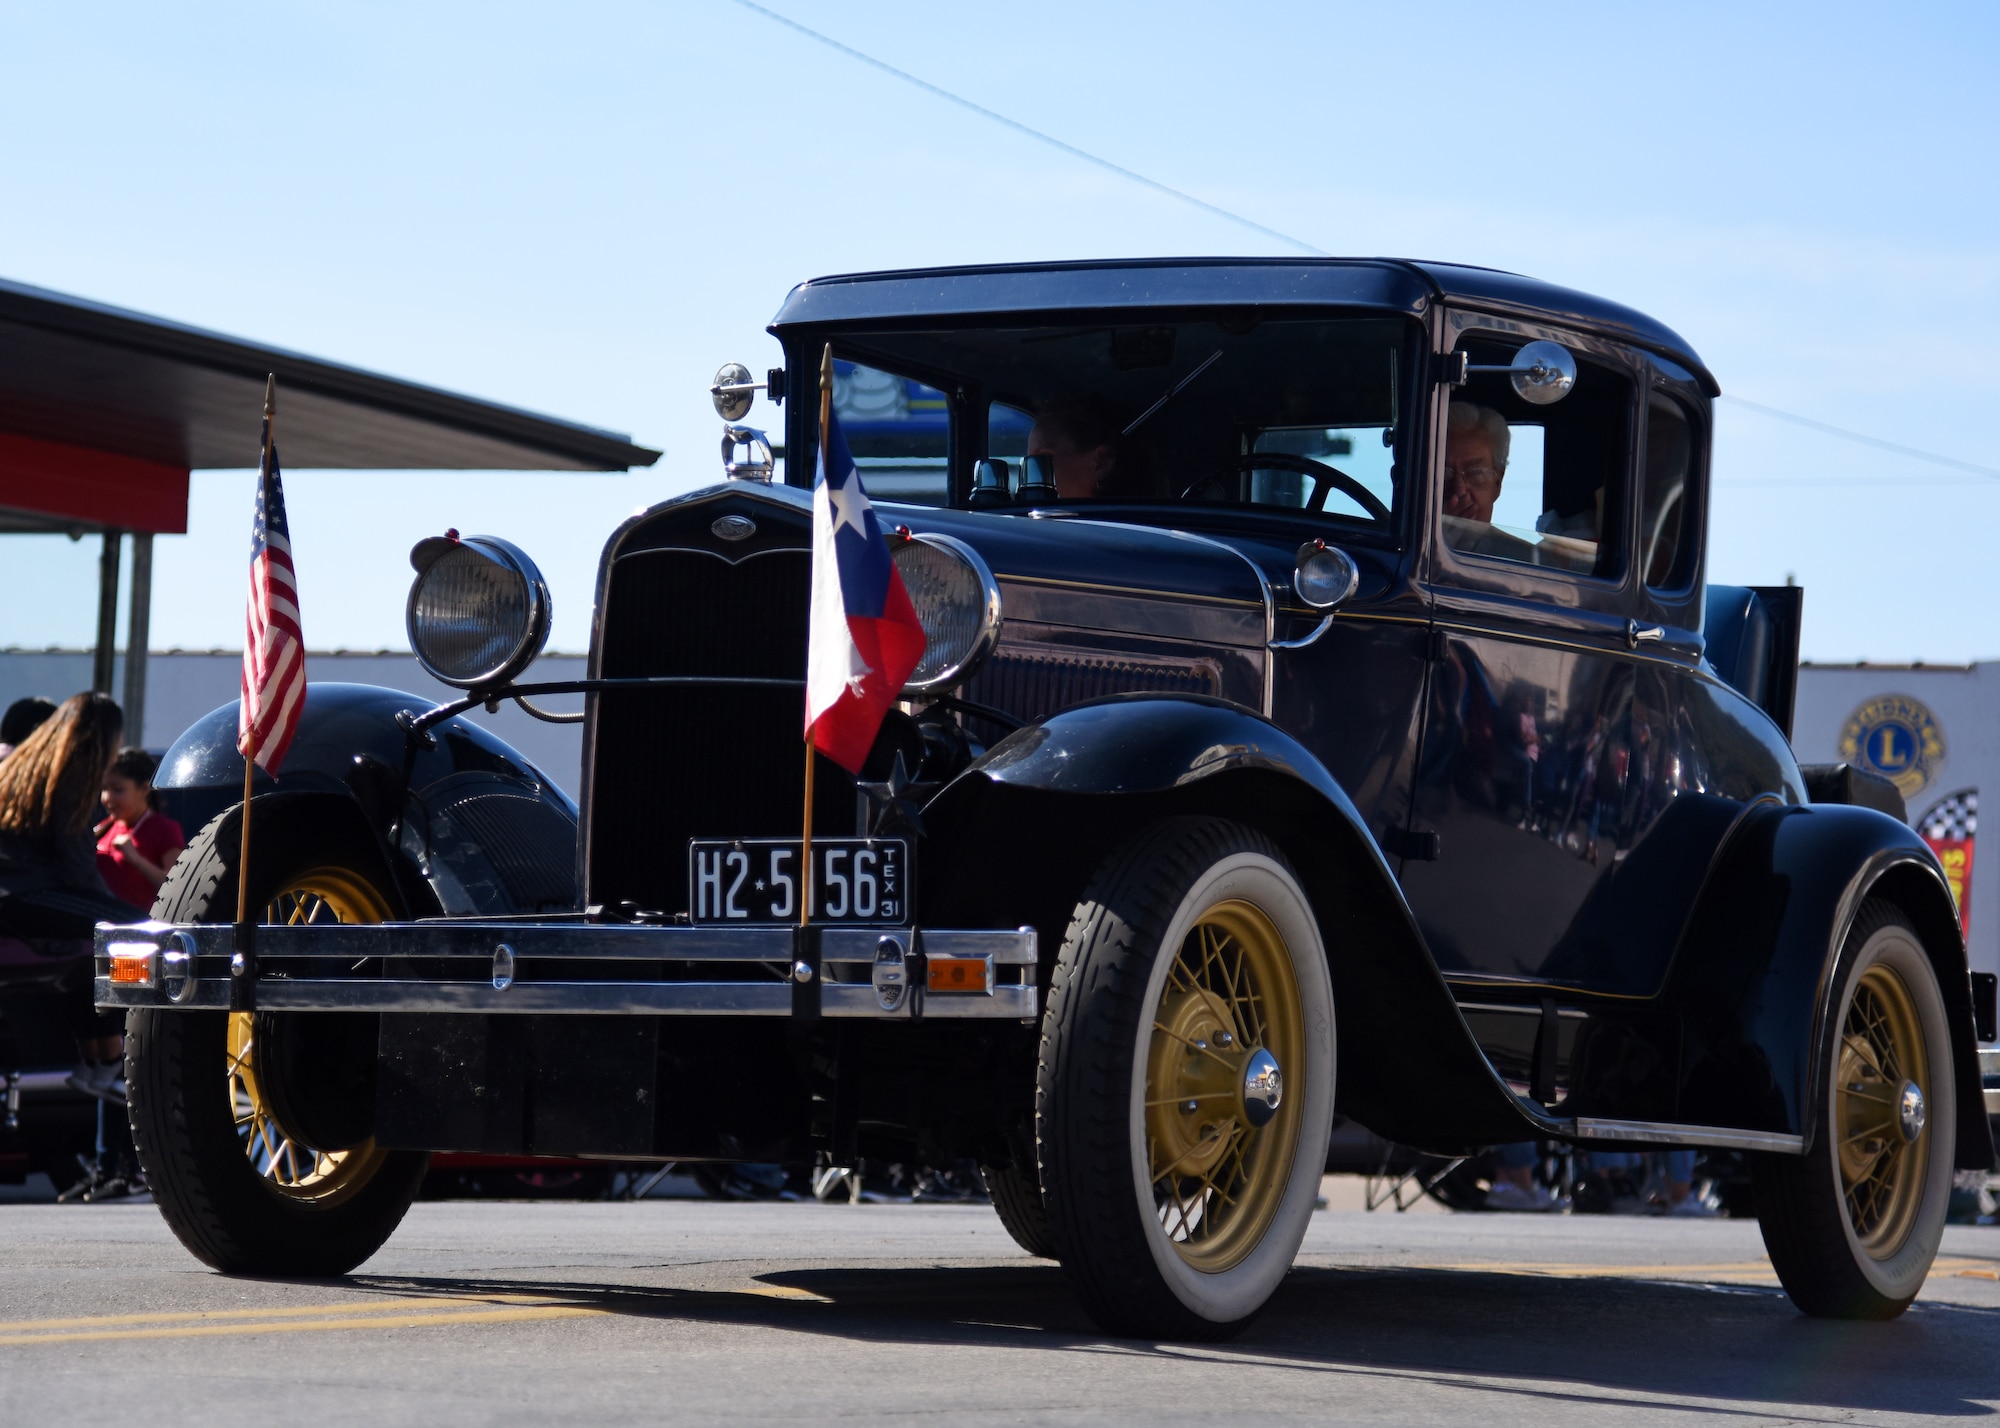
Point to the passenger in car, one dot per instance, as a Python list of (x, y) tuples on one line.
[(1084, 436), (1475, 461)]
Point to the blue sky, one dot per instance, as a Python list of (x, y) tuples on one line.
[(584, 209)]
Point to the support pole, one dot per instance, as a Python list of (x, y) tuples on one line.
[(138, 635), (104, 659)]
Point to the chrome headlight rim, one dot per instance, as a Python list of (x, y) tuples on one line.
[(534, 634), (990, 617)]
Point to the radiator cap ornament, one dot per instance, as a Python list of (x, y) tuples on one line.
[(733, 527)]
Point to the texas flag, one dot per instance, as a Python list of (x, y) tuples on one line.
[(864, 638)]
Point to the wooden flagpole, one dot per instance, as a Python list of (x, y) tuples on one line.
[(806, 847), (250, 754)]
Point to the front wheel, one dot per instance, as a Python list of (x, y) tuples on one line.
[(253, 1129), (1185, 1091), (1853, 1225)]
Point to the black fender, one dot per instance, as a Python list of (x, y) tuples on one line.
[(1015, 837), (466, 824), (1753, 980)]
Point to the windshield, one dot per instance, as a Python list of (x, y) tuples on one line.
[(1295, 414)]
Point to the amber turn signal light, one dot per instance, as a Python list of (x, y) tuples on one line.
[(960, 974), (132, 967)]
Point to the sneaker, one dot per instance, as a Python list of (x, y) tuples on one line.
[(106, 1083), (1506, 1195), (1693, 1208)]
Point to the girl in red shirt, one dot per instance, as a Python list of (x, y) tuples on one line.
[(137, 843)]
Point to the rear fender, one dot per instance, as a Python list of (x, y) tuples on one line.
[(1038, 814), (466, 823), (1755, 978)]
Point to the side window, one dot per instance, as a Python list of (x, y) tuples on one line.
[(898, 430), (1665, 505), (1007, 431), (1542, 485)]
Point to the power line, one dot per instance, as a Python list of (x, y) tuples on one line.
[(1220, 212), (1866, 440), (1018, 127)]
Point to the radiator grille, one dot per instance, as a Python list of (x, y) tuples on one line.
[(670, 765)]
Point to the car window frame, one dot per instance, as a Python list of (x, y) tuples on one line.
[(1546, 586), (1680, 607), (968, 399)]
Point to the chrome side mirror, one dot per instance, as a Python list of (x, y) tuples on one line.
[(733, 391), (757, 464), (1541, 372), (1325, 576)]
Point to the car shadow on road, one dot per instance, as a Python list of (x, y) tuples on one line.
[(1569, 1340)]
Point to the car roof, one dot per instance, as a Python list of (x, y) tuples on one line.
[(1400, 284)]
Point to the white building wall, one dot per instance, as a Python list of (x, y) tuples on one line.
[(182, 685), (1965, 702)]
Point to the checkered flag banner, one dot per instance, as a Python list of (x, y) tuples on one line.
[(1953, 818)]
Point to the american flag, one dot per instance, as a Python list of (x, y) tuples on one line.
[(274, 652)]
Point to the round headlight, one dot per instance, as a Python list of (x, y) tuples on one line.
[(958, 604), (479, 610), (1326, 575)]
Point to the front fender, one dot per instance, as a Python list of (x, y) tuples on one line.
[(1017, 836), (1755, 977), (459, 811)]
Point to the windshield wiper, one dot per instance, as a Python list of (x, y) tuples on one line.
[(1172, 392)]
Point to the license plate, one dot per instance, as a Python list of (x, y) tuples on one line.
[(750, 880)]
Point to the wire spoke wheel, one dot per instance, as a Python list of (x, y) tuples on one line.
[(284, 1163), (1854, 1220), (1218, 1175), (1185, 1089), (1882, 1055)]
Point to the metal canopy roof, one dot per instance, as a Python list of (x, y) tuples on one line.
[(85, 375)]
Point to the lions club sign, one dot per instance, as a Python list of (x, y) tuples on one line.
[(1895, 736)]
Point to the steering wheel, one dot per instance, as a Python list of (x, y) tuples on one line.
[(1326, 480)]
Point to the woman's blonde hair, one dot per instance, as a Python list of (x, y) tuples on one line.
[(50, 783)]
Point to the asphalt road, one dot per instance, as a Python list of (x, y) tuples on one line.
[(686, 1310)]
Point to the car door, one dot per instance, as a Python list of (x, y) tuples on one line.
[(1547, 738)]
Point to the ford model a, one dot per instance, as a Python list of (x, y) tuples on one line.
[(1323, 710)]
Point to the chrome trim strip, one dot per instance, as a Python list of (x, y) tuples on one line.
[(837, 999), (1657, 1133), (477, 944)]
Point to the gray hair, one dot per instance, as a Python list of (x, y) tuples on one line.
[(1464, 416)]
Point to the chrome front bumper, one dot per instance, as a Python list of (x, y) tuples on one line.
[(878, 973)]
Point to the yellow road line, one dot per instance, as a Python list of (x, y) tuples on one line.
[(306, 1326), (351, 1306), (1964, 1267)]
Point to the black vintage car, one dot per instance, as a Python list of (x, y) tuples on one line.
[(1324, 710)]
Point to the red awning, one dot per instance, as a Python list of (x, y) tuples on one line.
[(103, 412)]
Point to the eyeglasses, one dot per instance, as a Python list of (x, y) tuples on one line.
[(1479, 474)]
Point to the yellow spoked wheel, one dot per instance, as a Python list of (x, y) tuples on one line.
[(1184, 1095), (1880, 1110), (285, 1164), (1221, 1135), (1854, 1220)]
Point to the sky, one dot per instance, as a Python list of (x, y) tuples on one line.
[(585, 209)]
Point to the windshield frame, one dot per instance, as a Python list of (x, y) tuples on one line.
[(968, 399)]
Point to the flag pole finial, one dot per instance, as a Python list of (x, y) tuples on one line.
[(271, 394)]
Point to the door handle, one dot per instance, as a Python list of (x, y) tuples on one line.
[(1637, 634)]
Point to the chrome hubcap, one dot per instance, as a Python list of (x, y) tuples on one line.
[(1911, 1112), (1263, 1087)]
